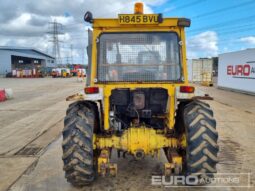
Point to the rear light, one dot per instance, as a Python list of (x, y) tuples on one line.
[(187, 89), (91, 90)]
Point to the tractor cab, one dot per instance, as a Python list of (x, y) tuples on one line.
[(137, 100)]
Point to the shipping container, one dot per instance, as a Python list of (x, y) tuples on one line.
[(189, 63), (200, 70), (237, 71)]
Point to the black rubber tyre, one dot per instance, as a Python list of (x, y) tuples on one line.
[(202, 136), (78, 144)]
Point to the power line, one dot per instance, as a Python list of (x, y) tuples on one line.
[(224, 9), (71, 47), (224, 24), (229, 28), (237, 39), (234, 31), (241, 27), (190, 4), (67, 60), (55, 31), (237, 31)]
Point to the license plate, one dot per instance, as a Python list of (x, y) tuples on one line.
[(139, 19)]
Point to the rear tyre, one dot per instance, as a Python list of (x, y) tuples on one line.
[(78, 144), (201, 136)]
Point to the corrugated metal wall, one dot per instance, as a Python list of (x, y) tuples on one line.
[(5, 62)]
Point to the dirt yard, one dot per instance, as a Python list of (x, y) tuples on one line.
[(30, 141)]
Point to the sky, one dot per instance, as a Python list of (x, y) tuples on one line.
[(217, 26)]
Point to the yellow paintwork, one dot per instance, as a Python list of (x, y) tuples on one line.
[(142, 138), (109, 24), (103, 164), (103, 161), (134, 139), (112, 25), (183, 141), (177, 160), (168, 169)]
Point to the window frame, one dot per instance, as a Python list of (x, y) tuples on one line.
[(180, 80)]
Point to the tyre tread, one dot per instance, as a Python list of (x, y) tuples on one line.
[(77, 144), (202, 136)]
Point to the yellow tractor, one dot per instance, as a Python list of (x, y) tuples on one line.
[(137, 100)]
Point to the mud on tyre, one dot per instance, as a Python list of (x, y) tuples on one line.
[(78, 144), (202, 136)]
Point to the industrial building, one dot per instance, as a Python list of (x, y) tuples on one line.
[(12, 58)]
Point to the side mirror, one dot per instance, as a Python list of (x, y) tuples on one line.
[(183, 22), (88, 17)]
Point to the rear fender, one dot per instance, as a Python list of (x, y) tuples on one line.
[(88, 97), (198, 94), (95, 99)]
